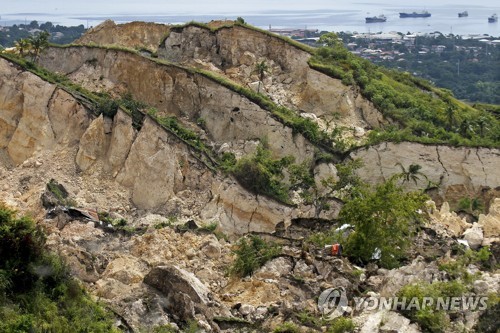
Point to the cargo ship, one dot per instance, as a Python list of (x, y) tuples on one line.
[(493, 18), (415, 14), (376, 19), (463, 14)]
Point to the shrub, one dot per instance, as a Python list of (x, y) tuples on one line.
[(36, 291), (286, 328), (262, 174), (430, 319), (384, 219), (341, 325), (251, 253), (457, 268)]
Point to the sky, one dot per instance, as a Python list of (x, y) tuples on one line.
[(205, 7)]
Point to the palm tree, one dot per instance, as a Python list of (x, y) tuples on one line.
[(23, 46), (38, 43), (261, 68), (412, 173)]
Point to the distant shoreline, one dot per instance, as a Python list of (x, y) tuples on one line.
[(337, 21)]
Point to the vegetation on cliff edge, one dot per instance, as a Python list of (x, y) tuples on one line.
[(37, 293), (422, 112)]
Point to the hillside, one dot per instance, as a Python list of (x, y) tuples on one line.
[(175, 145)]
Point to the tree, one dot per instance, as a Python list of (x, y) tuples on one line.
[(261, 68), (240, 20), (412, 173), (38, 43), (384, 219), (331, 39), (23, 46)]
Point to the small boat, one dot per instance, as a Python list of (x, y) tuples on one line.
[(415, 14), (376, 19), (493, 18), (463, 14)]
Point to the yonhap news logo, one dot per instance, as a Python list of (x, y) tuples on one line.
[(332, 303)]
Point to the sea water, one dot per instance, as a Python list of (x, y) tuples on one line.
[(340, 15)]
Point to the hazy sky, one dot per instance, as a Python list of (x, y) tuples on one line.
[(204, 7)]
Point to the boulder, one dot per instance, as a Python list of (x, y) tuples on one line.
[(491, 223), (171, 280), (275, 269), (449, 220), (474, 236)]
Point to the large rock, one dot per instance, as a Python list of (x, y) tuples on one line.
[(416, 272), (171, 280), (275, 269), (449, 220), (474, 236), (491, 223), (93, 144), (33, 131), (187, 297), (385, 322)]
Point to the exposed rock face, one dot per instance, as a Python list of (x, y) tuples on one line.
[(472, 169), (228, 116), (35, 115), (93, 144), (449, 220), (157, 168), (236, 50), (133, 35), (490, 223)]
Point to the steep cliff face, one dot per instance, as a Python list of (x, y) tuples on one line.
[(229, 118), (459, 171), (134, 35), (235, 51), (36, 115), (151, 168)]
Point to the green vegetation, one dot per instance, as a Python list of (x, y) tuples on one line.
[(59, 34), (341, 325), (262, 174), (384, 219), (473, 206), (59, 193), (457, 267), (36, 292), (464, 66), (423, 112), (430, 319), (286, 327), (251, 253)]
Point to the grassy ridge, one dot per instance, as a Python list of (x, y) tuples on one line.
[(232, 24), (420, 112)]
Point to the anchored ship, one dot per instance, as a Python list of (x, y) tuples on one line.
[(415, 14), (375, 19), (493, 18), (463, 14)]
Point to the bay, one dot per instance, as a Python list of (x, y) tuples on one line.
[(314, 14)]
